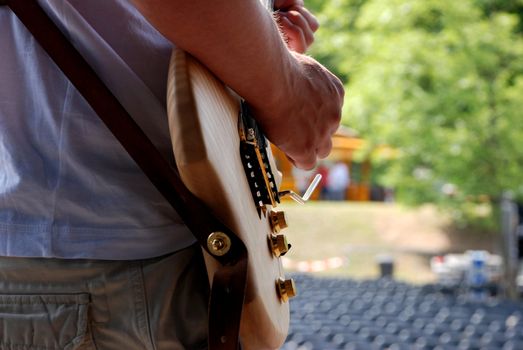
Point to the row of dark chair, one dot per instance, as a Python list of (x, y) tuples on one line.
[(336, 313)]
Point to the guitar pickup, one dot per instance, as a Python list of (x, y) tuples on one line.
[(255, 160)]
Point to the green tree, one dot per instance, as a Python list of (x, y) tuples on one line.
[(490, 7), (441, 82)]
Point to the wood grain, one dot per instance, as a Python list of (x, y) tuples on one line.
[(203, 117)]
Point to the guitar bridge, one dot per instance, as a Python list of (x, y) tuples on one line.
[(255, 160)]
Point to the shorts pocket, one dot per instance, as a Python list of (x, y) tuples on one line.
[(43, 321)]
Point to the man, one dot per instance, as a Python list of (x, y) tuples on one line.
[(91, 254), (338, 181)]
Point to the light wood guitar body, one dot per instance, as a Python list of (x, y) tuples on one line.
[(203, 121)]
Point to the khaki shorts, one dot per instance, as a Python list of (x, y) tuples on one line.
[(51, 304)]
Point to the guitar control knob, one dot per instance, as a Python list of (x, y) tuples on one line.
[(279, 244), (277, 220), (286, 289)]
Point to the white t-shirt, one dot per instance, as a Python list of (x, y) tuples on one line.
[(67, 188)]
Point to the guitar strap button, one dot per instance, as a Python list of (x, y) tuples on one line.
[(218, 243)]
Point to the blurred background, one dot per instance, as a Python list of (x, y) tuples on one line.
[(423, 192)]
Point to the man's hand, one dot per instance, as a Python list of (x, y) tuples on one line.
[(296, 23), (296, 100), (302, 123)]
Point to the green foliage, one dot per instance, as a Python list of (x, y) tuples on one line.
[(439, 81), (490, 7)]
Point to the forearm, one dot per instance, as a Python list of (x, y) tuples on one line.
[(230, 38), (295, 99)]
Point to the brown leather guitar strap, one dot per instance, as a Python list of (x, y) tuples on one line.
[(229, 282)]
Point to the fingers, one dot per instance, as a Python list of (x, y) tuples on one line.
[(305, 163), (298, 25), (309, 17), (286, 4), (308, 159), (299, 36), (302, 123), (325, 149)]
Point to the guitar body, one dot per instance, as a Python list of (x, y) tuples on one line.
[(203, 121)]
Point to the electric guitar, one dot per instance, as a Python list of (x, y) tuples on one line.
[(224, 159)]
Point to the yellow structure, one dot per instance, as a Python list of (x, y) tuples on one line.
[(344, 146)]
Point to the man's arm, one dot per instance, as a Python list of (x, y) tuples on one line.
[(296, 100)]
